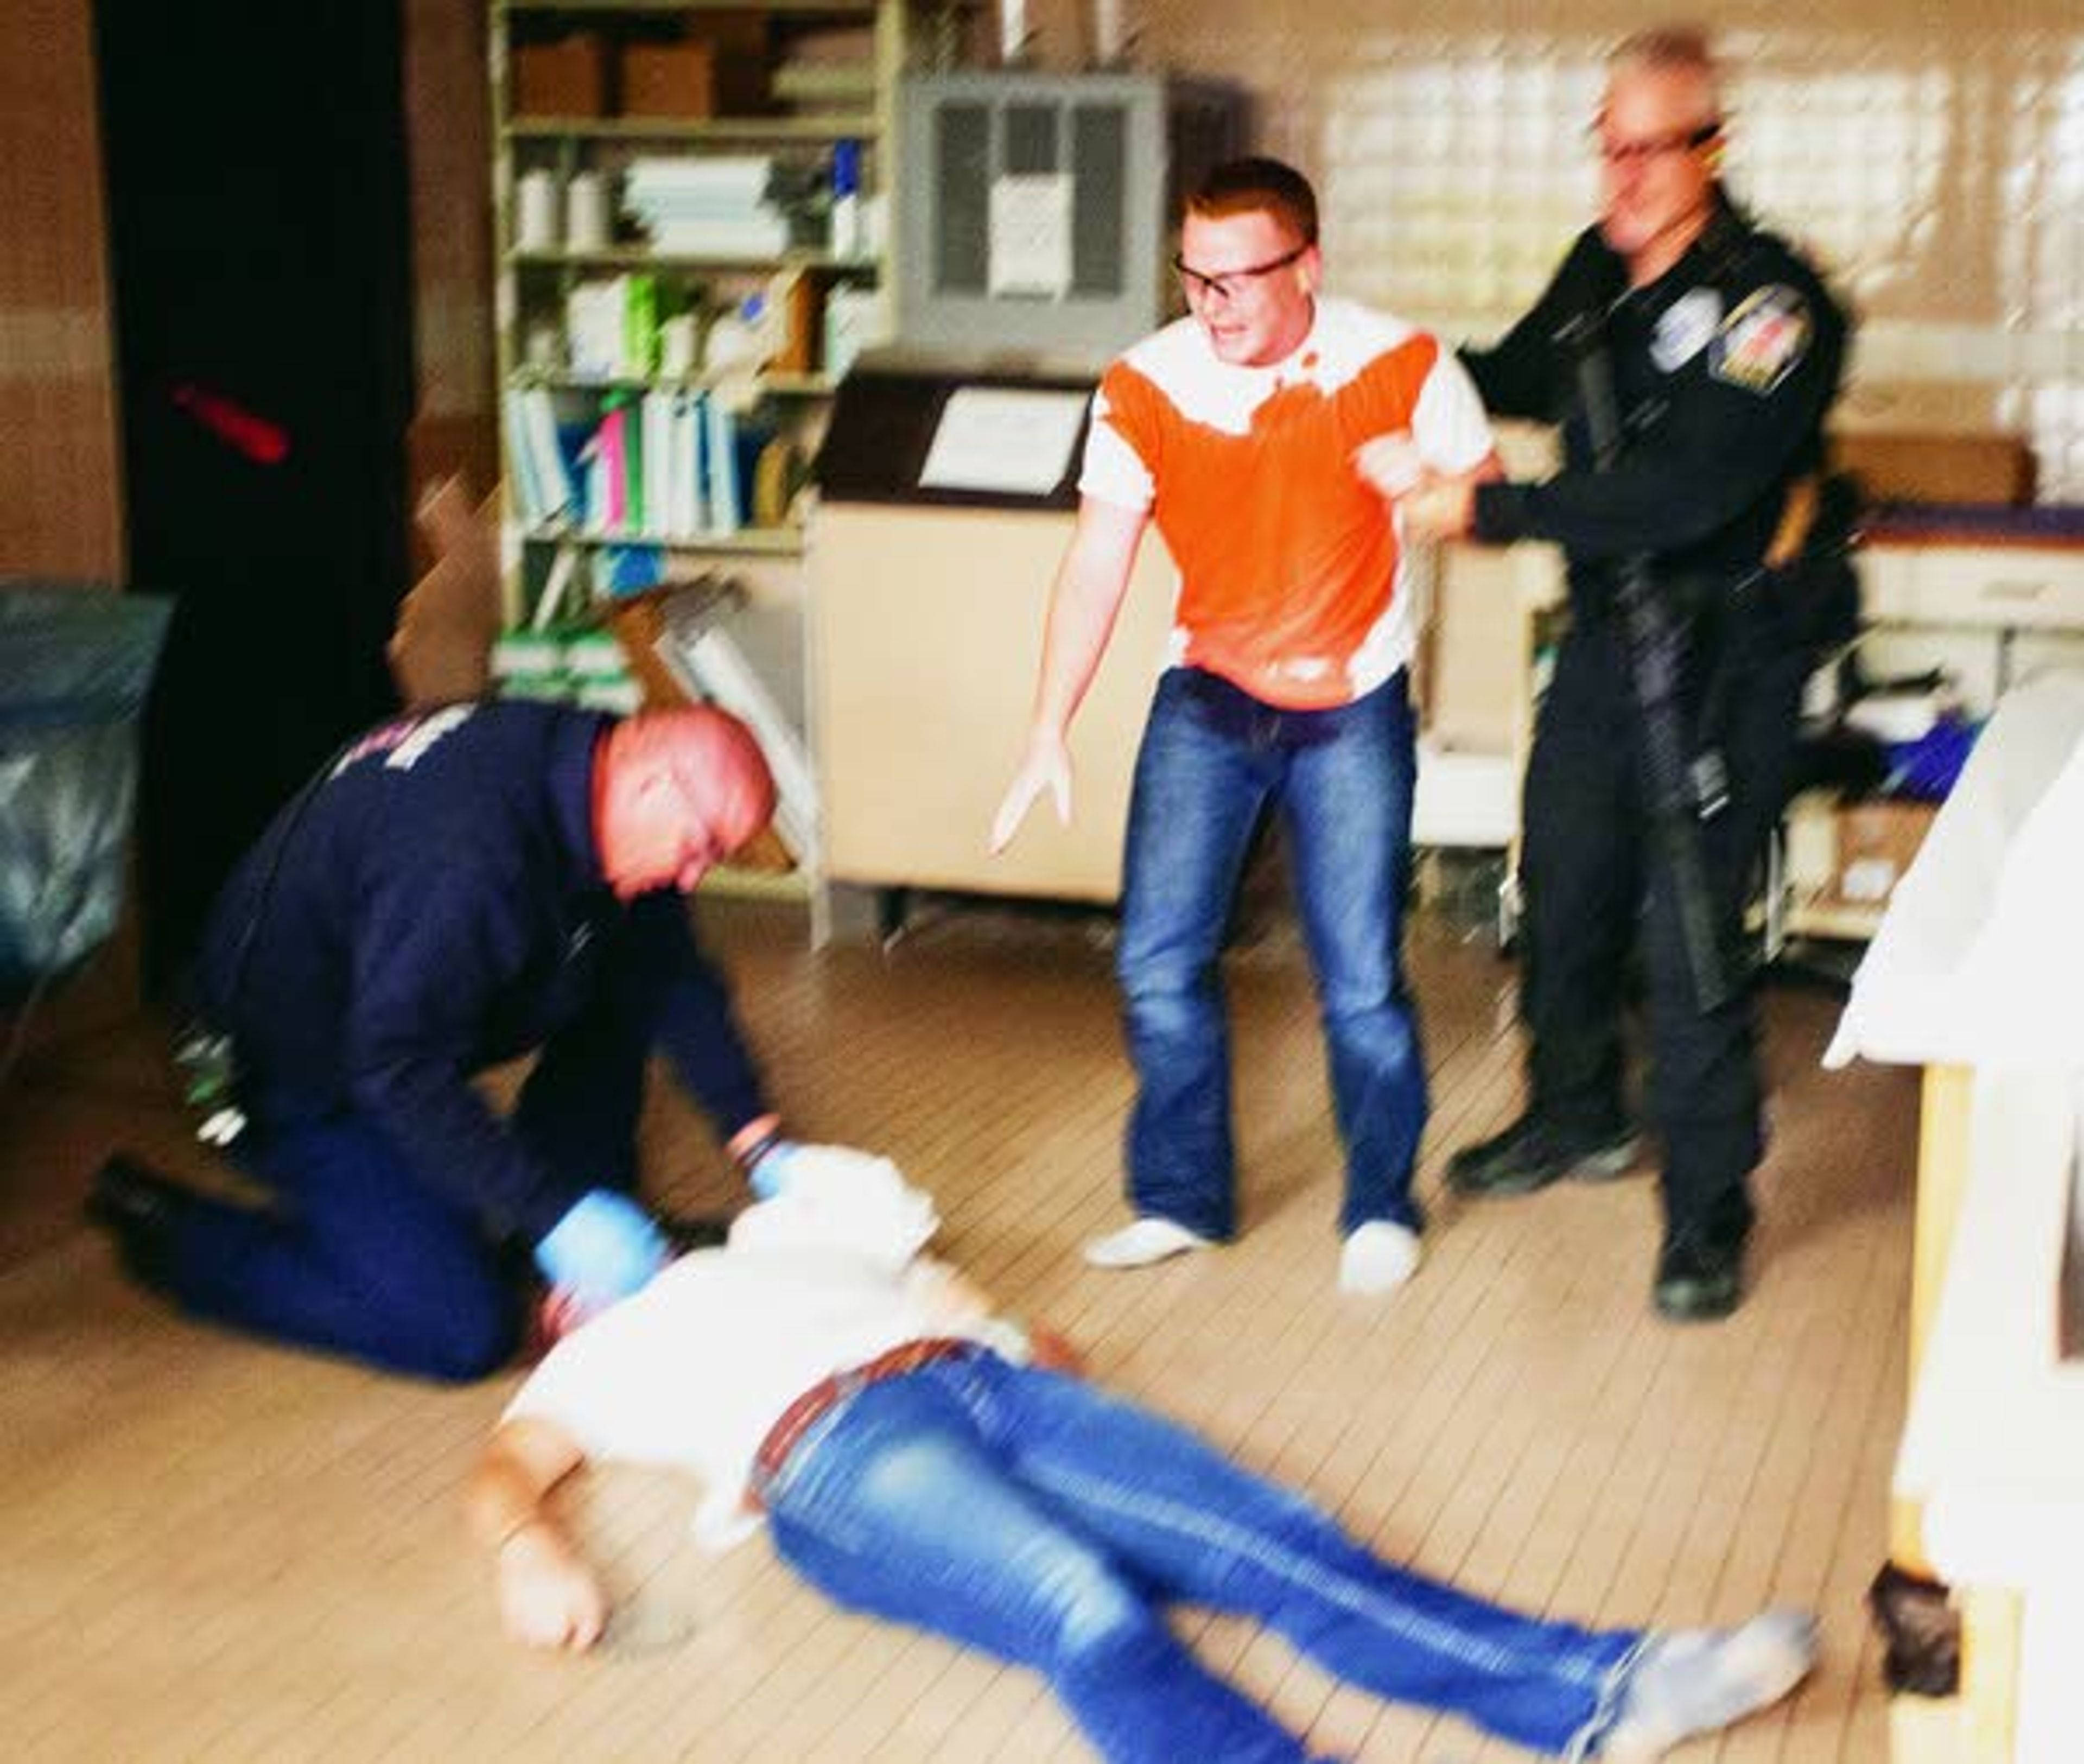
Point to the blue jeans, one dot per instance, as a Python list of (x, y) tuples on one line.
[(1214, 760), (1030, 1515)]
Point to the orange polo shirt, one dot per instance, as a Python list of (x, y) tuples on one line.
[(1291, 576)]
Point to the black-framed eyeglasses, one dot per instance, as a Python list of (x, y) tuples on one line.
[(1226, 286), (1650, 148)]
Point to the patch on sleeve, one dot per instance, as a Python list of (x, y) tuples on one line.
[(1688, 327), (1763, 341)]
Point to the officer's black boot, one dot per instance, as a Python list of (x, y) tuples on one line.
[(1531, 1154), (1700, 1275), (140, 1211)]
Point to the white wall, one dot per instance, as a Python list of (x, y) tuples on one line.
[(1932, 155)]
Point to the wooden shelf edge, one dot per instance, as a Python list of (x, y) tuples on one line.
[(725, 883)]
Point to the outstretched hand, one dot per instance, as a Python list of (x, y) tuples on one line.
[(1046, 766), (548, 1597)]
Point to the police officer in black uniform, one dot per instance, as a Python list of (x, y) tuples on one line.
[(1723, 349)]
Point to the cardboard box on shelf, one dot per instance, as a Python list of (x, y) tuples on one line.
[(720, 69), (1876, 843), (562, 76), (1904, 467)]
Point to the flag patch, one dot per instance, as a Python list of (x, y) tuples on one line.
[(1763, 341)]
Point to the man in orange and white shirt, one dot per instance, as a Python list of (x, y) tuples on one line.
[(1236, 429)]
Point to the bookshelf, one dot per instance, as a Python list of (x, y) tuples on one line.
[(691, 227)]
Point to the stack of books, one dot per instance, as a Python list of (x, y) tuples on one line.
[(569, 664), (718, 207)]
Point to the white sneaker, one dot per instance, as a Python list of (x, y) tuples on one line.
[(1143, 1241), (1379, 1256), (1691, 1681)]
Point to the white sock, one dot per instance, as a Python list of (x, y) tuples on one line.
[(1379, 1256), (1689, 1682), (1141, 1242)]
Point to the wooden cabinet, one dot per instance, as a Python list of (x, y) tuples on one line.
[(1988, 587), (927, 634)]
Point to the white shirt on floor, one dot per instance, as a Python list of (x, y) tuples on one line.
[(691, 1371)]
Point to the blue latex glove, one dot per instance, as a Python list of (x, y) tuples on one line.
[(603, 1249)]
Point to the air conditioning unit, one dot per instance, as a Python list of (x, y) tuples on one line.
[(1035, 210)]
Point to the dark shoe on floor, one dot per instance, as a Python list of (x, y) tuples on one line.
[(1531, 1154), (1699, 1279), (140, 1210)]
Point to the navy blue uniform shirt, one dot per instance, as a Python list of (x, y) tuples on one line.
[(430, 906)]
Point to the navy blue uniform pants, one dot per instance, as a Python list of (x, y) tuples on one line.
[(361, 1254)]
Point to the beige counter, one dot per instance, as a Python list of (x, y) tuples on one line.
[(925, 632)]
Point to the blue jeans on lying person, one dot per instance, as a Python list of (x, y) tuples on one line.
[(1029, 1515), (1213, 761)]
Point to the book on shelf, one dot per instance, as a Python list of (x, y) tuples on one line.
[(683, 475), (720, 459), (523, 484), (553, 602), (718, 205), (542, 479), (657, 425), (607, 508), (612, 326)]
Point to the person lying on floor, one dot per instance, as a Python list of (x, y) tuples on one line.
[(920, 1459)]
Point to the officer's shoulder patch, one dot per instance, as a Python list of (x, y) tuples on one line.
[(1689, 322), (1763, 340)]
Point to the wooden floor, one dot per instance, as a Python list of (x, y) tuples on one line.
[(216, 1550)]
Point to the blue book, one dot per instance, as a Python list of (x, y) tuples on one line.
[(720, 434)]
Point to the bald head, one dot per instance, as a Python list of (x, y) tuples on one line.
[(674, 793)]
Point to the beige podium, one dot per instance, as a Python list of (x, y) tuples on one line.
[(925, 634)]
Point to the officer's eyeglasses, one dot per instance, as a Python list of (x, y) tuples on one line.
[(1648, 147), (1229, 284)]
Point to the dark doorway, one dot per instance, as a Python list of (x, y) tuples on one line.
[(259, 246)]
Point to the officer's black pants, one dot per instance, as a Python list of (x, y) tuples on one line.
[(1594, 877)]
